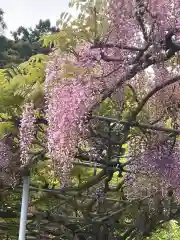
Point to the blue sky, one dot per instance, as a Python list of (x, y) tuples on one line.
[(27, 13)]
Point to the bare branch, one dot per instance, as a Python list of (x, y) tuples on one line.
[(154, 91), (120, 46), (137, 124)]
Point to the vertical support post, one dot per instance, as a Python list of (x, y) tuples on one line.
[(24, 207)]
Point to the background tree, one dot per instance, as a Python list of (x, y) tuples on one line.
[(2, 23), (33, 35), (25, 44)]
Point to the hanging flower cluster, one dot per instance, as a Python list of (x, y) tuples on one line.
[(127, 15), (27, 130), (73, 84), (167, 14), (5, 164), (159, 163), (67, 99), (5, 155)]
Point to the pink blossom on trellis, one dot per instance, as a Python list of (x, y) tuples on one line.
[(69, 97), (159, 164), (6, 161), (125, 28), (5, 155), (27, 131), (167, 14)]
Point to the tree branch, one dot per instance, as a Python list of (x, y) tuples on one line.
[(119, 46), (154, 91), (139, 125)]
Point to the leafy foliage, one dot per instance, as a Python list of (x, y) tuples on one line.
[(89, 25)]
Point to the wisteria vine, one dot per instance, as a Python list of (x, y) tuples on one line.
[(140, 37)]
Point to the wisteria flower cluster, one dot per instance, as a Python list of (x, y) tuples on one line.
[(72, 86), (5, 155), (27, 131), (156, 168), (5, 163)]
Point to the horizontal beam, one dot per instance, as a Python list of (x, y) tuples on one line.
[(137, 124)]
